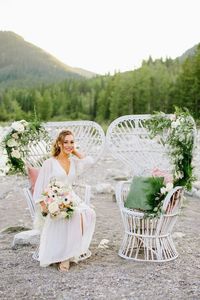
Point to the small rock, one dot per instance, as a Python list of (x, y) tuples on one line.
[(12, 229), (29, 237), (121, 178)]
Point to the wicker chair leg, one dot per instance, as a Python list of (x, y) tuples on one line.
[(153, 249)]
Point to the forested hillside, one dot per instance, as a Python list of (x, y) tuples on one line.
[(157, 85), (24, 65)]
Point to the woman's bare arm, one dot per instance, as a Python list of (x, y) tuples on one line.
[(78, 154)]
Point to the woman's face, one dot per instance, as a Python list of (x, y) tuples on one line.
[(68, 144)]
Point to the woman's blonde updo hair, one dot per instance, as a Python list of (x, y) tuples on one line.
[(60, 139)]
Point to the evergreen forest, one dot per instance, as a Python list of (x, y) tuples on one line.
[(157, 85)]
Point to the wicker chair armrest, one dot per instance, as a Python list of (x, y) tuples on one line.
[(83, 191), (173, 199), (132, 212), (29, 200), (121, 192)]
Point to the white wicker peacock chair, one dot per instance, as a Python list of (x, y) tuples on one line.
[(149, 239), (145, 239), (89, 139)]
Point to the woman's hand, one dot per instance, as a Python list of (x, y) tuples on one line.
[(77, 154)]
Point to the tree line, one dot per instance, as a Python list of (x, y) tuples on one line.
[(157, 85)]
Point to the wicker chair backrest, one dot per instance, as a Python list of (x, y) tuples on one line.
[(129, 141)]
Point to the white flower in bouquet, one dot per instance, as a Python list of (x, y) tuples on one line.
[(48, 189), (63, 214), (18, 126), (52, 194), (68, 199), (53, 208), (11, 143), (56, 183), (15, 153), (54, 190)]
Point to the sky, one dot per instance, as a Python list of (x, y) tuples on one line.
[(105, 36)]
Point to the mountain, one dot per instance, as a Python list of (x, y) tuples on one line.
[(189, 52), (22, 64)]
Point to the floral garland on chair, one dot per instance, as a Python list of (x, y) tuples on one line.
[(181, 129), (20, 134), (178, 132)]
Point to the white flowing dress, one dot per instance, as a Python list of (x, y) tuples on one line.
[(63, 239)]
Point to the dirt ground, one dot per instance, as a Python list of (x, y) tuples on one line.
[(104, 275)]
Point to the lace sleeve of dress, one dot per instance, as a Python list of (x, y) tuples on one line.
[(83, 164)]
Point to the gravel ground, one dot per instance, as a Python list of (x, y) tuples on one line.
[(104, 275)]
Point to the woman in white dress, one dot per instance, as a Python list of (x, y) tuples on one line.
[(63, 240)]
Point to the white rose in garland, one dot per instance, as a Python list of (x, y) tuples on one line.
[(15, 153), (18, 126), (12, 143), (16, 141), (15, 136), (175, 124)]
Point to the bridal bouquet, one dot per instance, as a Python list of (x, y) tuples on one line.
[(59, 200)]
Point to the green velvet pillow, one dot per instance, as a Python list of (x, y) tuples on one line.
[(143, 191)]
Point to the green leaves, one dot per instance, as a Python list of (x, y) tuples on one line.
[(155, 197)]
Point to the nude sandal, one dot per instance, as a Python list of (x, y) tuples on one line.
[(64, 266)]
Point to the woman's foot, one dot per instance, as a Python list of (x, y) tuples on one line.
[(64, 266)]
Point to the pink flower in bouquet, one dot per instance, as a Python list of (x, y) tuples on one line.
[(49, 200)]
